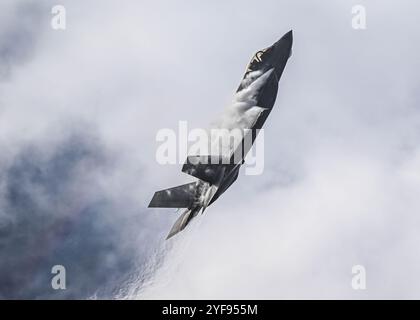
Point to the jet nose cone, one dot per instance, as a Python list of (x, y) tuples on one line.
[(288, 36), (287, 39), (281, 52), (284, 44)]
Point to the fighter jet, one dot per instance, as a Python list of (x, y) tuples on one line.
[(257, 92)]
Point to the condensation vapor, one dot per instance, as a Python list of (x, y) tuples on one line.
[(227, 132)]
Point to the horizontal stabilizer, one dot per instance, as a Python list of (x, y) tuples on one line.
[(177, 197), (205, 168), (182, 221)]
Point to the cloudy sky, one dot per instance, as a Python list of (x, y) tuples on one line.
[(79, 113)]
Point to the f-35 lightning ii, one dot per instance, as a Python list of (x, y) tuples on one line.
[(257, 91)]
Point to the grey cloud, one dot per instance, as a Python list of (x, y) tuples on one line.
[(55, 213), (20, 29)]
